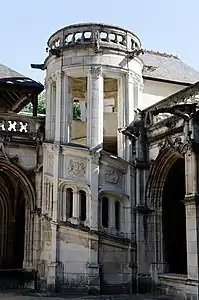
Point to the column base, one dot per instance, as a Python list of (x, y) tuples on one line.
[(74, 220), (93, 279), (52, 277)]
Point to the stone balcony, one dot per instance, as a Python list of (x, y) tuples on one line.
[(100, 35)]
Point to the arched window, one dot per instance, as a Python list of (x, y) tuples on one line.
[(69, 203), (105, 212), (82, 200), (117, 215)]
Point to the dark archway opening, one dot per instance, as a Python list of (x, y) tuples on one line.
[(174, 219), (12, 222)]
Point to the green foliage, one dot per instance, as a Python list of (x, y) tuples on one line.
[(42, 107), (76, 110), (41, 104)]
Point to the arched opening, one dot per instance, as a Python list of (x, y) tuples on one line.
[(82, 199), (17, 204), (174, 220), (12, 222), (117, 215), (105, 212), (69, 203)]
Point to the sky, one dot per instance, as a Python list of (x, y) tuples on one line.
[(170, 26)]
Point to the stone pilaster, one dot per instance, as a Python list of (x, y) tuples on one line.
[(52, 273), (93, 266), (127, 213), (95, 108), (94, 179), (112, 214), (192, 221)]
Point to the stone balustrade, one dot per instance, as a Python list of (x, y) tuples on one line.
[(11, 123), (99, 34)]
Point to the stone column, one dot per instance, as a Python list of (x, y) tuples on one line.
[(121, 117), (127, 212), (65, 109), (122, 217), (76, 208), (59, 76), (129, 109), (48, 88), (95, 108)]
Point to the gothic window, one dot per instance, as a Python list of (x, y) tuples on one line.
[(82, 200), (69, 202), (105, 212), (117, 215)]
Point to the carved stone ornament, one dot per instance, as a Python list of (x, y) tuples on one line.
[(77, 168), (95, 72), (177, 144), (95, 156), (14, 159), (111, 176)]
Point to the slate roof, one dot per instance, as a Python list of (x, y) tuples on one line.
[(6, 72), (167, 67)]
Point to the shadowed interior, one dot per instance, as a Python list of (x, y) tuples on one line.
[(174, 221)]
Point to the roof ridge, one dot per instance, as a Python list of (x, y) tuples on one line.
[(164, 54)]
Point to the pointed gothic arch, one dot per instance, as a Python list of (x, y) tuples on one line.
[(157, 183), (158, 174), (13, 202)]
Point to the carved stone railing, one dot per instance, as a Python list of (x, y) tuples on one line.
[(100, 35), (17, 124)]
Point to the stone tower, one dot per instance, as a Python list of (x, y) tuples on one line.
[(93, 84)]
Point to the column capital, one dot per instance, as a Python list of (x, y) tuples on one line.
[(95, 72), (59, 75)]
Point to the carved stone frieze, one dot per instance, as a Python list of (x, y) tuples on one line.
[(77, 168), (112, 176)]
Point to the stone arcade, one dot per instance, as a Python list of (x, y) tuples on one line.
[(106, 199)]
